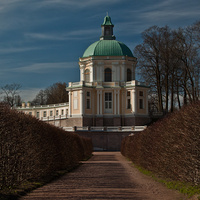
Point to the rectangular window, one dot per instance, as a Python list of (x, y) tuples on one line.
[(56, 112), (141, 106), (62, 112), (88, 104), (30, 113), (38, 114), (51, 113), (141, 94), (108, 100), (128, 104), (44, 114)]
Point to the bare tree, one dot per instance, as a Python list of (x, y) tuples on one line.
[(169, 60), (10, 94), (55, 93), (149, 59), (40, 98), (187, 51)]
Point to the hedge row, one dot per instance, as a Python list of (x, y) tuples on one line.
[(30, 149), (170, 147)]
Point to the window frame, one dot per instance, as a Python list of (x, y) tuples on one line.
[(128, 100), (108, 102), (88, 100), (108, 75), (45, 113), (87, 75), (141, 93), (128, 75), (141, 104)]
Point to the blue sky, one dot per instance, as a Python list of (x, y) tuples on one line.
[(41, 40)]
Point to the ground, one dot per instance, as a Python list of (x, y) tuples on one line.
[(107, 175)]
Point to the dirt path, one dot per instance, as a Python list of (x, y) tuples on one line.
[(107, 175)]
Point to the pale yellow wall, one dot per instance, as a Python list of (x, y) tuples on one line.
[(122, 101), (103, 101), (34, 109), (89, 111), (127, 111), (95, 102), (141, 111), (75, 111)]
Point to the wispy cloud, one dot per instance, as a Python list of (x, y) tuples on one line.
[(161, 13), (170, 10), (77, 4), (76, 34), (17, 49), (29, 94), (45, 67)]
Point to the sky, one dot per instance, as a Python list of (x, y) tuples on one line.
[(41, 41)]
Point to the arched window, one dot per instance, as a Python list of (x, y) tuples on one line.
[(108, 75), (87, 75), (129, 75)]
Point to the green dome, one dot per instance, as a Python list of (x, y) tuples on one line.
[(107, 48)]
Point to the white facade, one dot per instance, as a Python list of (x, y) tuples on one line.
[(107, 94)]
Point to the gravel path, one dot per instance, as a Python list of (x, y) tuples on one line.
[(107, 175)]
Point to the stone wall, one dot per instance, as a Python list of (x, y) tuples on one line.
[(105, 141), (101, 121), (69, 122)]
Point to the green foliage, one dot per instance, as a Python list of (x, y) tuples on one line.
[(184, 188)]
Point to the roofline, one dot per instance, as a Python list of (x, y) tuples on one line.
[(130, 58)]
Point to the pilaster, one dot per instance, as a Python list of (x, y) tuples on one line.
[(118, 103), (100, 92), (134, 101), (70, 103), (81, 102), (98, 102), (115, 102)]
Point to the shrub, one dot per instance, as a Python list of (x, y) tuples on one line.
[(170, 147), (30, 148)]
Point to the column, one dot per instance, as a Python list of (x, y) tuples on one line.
[(147, 106), (101, 73), (82, 73), (113, 74), (91, 74), (101, 102), (98, 73), (70, 102), (134, 106), (122, 73), (115, 103), (97, 102), (81, 102), (118, 111)]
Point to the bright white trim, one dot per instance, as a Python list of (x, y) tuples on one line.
[(133, 101)]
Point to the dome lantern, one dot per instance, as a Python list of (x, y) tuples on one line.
[(107, 45), (107, 29)]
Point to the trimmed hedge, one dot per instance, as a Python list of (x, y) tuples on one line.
[(30, 149), (170, 147)]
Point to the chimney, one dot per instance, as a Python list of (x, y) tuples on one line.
[(28, 104), (23, 104)]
